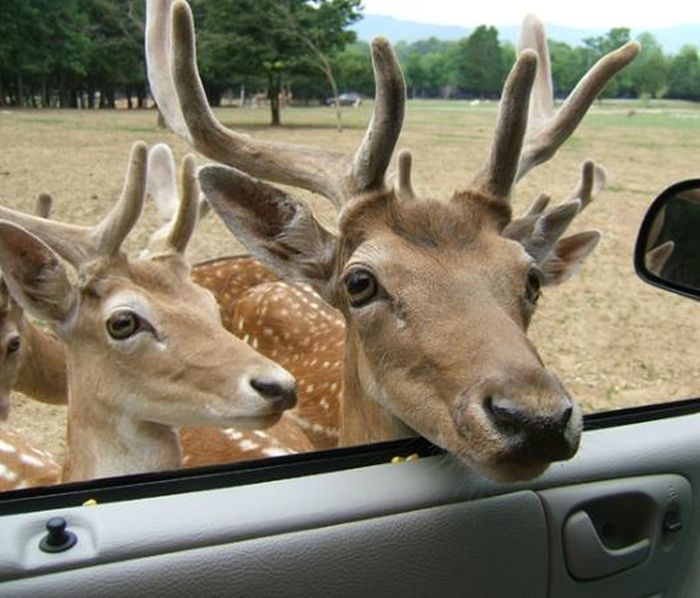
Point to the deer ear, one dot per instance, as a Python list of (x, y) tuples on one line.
[(275, 227), (34, 274), (564, 260)]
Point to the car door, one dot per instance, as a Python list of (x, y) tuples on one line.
[(620, 519)]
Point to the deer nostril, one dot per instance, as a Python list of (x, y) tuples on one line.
[(566, 416), (505, 415), (281, 396)]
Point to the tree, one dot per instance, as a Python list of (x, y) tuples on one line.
[(684, 74), (353, 68), (601, 45), (322, 31), (648, 73), (478, 63), (254, 38), (116, 56)]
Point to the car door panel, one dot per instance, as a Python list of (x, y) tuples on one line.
[(430, 527)]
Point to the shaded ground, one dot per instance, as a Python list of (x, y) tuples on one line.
[(613, 340)]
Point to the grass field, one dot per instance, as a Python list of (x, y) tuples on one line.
[(613, 340)]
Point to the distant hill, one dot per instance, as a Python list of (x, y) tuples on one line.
[(671, 39)]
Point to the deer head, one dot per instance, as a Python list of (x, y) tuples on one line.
[(23, 347), (145, 347), (436, 299), (11, 322)]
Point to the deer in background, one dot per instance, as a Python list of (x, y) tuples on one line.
[(32, 362), (436, 300), (35, 365), (145, 348), (287, 322)]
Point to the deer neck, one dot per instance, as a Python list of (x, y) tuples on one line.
[(105, 441), (42, 373), (362, 417)]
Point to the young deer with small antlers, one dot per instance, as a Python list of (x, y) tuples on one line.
[(287, 322), (436, 299), (32, 361), (145, 348)]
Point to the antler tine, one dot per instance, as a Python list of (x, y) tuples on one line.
[(401, 180), (186, 219), (179, 92), (547, 130), (311, 168), (497, 176), (204, 208), (73, 243), (42, 208), (374, 154), (158, 40), (109, 234), (656, 259), (538, 230), (79, 244), (592, 181), (532, 36), (160, 183), (539, 205)]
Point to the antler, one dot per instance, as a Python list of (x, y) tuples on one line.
[(588, 187), (401, 181), (78, 244), (539, 229), (186, 220), (547, 130), (179, 214), (527, 120), (178, 91), (43, 205)]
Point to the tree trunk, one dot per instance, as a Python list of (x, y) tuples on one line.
[(91, 96), (63, 92), (20, 90), (2, 94), (273, 94), (45, 96), (74, 98)]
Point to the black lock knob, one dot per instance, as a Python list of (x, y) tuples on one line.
[(59, 538)]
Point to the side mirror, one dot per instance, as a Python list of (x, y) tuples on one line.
[(667, 254)]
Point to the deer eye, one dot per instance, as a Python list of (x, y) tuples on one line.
[(532, 288), (14, 345), (361, 286), (124, 324)]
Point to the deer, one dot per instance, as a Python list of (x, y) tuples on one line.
[(145, 349), (35, 365), (436, 299), (23, 465), (32, 361), (287, 322)]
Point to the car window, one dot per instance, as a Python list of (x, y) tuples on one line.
[(613, 341)]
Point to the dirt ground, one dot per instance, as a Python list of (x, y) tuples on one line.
[(613, 340)]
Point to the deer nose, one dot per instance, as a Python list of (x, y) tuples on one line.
[(280, 396), (509, 417), (531, 434)]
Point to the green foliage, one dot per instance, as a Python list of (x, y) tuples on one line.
[(353, 69), (684, 75), (478, 63), (82, 52)]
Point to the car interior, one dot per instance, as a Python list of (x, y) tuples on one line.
[(405, 517)]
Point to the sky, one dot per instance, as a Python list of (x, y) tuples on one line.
[(588, 13)]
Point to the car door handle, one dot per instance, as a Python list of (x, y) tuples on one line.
[(588, 558)]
